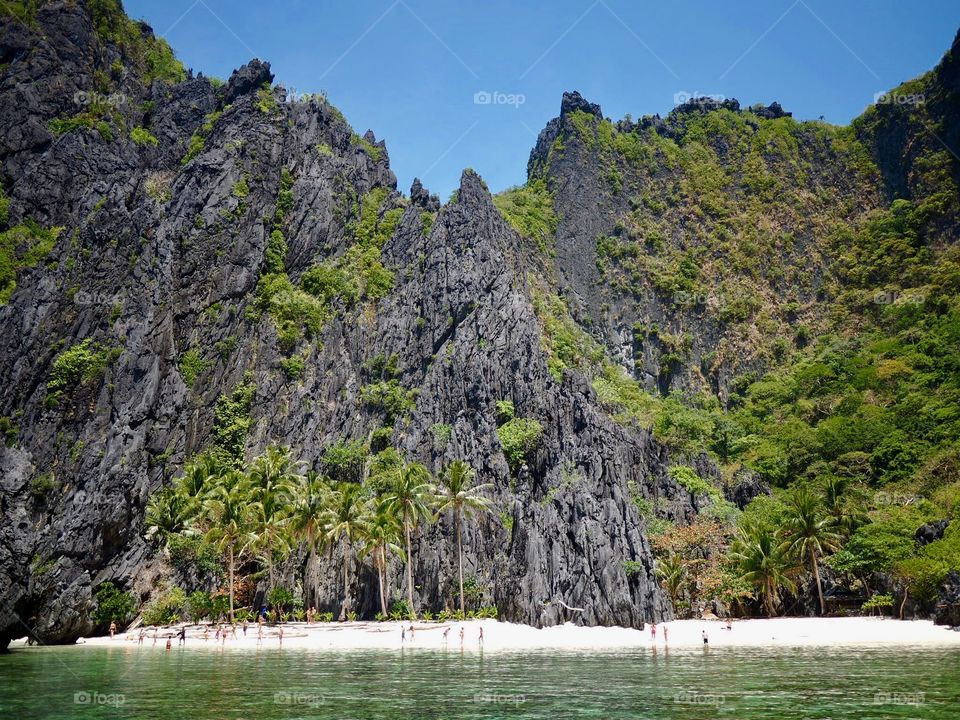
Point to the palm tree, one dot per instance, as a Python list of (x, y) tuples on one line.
[(842, 506), (762, 561), (198, 473), (808, 533), (169, 513), (673, 576), (273, 476), (226, 510), (347, 521), (311, 505), (410, 492), (463, 500), (382, 536)]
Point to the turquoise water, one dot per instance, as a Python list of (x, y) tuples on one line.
[(131, 682)]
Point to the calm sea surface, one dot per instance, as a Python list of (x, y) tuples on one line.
[(131, 682)]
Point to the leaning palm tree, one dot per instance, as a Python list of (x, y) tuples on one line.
[(347, 521), (381, 536), (808, 533), (762, 562), (311, 504), (411, 493), (273, 476), (225, 511), (463, 499)]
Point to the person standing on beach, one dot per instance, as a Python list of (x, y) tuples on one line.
[(665, 633), (653, 631), (140, 638), (260, 633), (481, 636), (244, 627), (403, 635), (411, 632), (154, 637), (445, 633), (182, 636), (281, 636), (113, 629), (461, 637), (705, 638)]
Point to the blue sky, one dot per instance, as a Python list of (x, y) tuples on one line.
[(409, 69)]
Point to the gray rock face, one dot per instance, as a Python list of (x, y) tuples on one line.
[(931, 532), (158, 257), (947, 608)]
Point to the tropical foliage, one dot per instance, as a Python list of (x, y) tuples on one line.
[(252, 517)]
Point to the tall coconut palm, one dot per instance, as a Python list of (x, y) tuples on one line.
[(225, 511), (273, 476), (381, 536), (461, 497), (762, 562), (808, 533), (347, 521), (411, 493), (311, 505)]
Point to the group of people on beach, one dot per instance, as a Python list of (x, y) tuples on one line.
[(666, 631), (404, 631)]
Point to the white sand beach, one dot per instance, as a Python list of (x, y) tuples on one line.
[(501, 636)]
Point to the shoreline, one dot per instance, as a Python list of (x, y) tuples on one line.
[(873, 632)]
